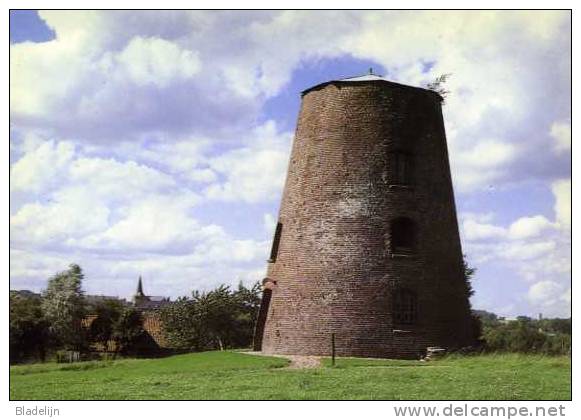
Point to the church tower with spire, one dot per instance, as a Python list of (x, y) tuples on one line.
[(139, 298)]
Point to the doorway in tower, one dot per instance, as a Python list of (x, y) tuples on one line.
[(261, 320)]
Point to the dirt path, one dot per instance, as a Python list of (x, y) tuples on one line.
[(303, 362), (296, 361)]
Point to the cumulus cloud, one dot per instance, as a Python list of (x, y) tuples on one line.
[(527, 227), (535, 250), (126, 124), (522, 228), (74, 212), (550, 296), (474, 230), (561, 133), (562, 192), (269, 223), (153, 70), (156, 61), (255, 172), (483, 164), (39, 167), (487, 100), (107, 79), (154, 223), (526, 251), (111, 215)]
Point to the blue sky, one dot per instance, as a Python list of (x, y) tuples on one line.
[(156, 143)]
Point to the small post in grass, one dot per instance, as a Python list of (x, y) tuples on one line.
[(333, 349)]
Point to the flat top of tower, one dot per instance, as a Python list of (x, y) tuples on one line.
[(368, 78)]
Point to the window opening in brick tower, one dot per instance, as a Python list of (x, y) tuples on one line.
[(402, 168), (405, 307), (275, 243), (403, 236)]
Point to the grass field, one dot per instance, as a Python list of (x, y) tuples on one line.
[(230, 375)]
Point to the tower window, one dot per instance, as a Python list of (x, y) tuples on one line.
[(275, 243), (401, 168), (405, 307), (403, 236)]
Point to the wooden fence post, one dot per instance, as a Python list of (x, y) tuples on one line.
[(333, 349)]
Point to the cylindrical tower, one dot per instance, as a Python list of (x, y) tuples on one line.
[(367, 243)]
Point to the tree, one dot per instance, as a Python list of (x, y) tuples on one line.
[(128, 330), (486, 318), (63, 306), (468, 274), (248, 304), (525, 335), (107, 314), (438, 85), (183, 326), (217, 309), (556, 325), (28, 329), (475, 319), (218, 319)]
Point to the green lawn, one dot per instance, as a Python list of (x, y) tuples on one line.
[(230, 375)]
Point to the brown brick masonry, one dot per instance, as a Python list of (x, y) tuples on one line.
[(365, 155), (152, 326)]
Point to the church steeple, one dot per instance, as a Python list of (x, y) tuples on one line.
[(139, 297), (139, 288)]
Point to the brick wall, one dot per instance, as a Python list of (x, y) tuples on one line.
[(334, 270), (153, 326)]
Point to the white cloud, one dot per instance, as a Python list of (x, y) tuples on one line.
[(481, 164), (551, 296), (113, 179), (486, 101), (532, 252), (156, 61), (269, 223), (527, 250), (474, 231), (528, 227), (163, 115), (151, 72), (253, 173), (561, 133), (562, 192), (543, 290), (118, 218), (80, 195), (39, 167), (32, 269), (153, 223), (73, 213)]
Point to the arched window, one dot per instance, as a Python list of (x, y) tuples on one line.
[(275, 243), (403, 236), (401, 168), (405, 307)]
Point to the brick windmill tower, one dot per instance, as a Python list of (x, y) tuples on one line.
[(367, 244)]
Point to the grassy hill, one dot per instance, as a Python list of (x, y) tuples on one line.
[(230, 375)]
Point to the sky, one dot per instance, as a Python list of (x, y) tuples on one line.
[(156, 143)]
